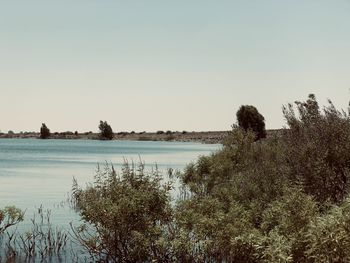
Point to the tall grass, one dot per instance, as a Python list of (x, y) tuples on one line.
[(40, 242)]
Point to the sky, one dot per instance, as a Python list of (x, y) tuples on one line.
[(167, 65)]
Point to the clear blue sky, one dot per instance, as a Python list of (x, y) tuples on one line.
[(158, 64)]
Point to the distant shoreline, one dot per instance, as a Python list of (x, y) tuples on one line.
[(208, 137)]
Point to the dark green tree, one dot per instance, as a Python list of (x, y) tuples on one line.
[(106, 132), (249, 118), (44, 132)]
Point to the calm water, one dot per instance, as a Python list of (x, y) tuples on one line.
[(39, 172)]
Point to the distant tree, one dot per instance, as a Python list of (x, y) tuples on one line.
[(249, 118), (76, 133), (44, 132), (106, 132)]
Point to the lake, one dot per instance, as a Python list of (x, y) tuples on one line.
[(40, 172)]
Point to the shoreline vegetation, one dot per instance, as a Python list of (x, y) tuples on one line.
[(281, 197), (209, 137)]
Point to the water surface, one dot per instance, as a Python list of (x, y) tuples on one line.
[(39, 172)]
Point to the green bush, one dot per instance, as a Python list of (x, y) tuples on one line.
[(317, 149), (128, 214), (328, 236)]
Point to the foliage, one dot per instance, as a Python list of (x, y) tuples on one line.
[(249, 118), (328, 236), (10, 216), (317, 149), (282, 199), (106, 132), (211, 233), (275, 181), (128, 214), (44, 132)]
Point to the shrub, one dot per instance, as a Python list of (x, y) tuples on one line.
[(211, 233), (290, 214), (328, 237), (317, 149), (128, 214), (249, 118), (160, 132), (44, 132)]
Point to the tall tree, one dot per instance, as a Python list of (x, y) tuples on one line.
[(106, 132), (44, 132), (249, 118)]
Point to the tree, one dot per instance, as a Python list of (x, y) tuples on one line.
[(106, 132), (44, 132), (249, 118)]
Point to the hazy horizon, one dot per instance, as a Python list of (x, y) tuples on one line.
[(161, 65)]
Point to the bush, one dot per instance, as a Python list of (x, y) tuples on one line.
[(106, 132), (211, 233), (160, 132), (44, 132), (249, 118), (128, 214), (328, 237), (317, 149)]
